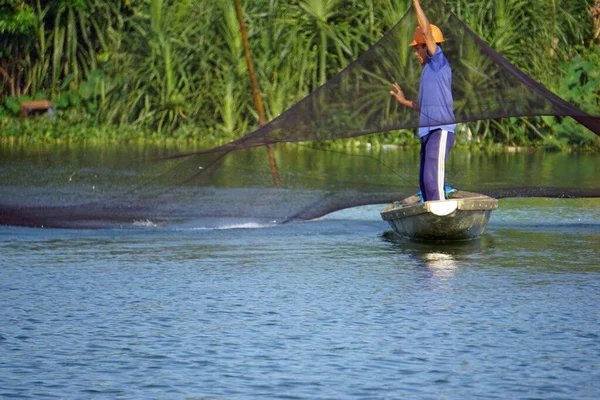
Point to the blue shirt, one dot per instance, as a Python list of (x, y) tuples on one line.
[(435, 95)]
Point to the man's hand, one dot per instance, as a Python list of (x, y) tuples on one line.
[(398, 93), (399, 96)]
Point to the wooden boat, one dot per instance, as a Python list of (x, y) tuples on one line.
[(462, 216)]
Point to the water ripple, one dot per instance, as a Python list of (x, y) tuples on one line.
[(307, 311)]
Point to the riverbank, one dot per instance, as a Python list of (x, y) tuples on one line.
[(56, 130)]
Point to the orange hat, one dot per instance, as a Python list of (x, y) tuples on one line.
[(418, 37)]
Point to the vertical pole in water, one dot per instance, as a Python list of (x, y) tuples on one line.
[(255, 92)]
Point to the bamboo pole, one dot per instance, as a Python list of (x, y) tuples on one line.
[(255, 92)]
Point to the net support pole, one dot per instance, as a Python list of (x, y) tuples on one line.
[(255, 92)]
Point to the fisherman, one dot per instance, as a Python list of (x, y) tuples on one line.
[(436, 121)]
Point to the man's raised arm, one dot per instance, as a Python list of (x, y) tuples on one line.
[(425, 27)]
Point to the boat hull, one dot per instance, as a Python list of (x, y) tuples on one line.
[(463, 216)]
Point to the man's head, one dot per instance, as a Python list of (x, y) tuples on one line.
[(419, 45)]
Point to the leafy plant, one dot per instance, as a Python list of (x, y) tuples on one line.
[(178, 67), (581, 83)]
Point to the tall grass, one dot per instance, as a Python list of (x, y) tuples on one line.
[(173, 66)]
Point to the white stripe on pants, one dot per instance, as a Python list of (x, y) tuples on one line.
[(442, 163)]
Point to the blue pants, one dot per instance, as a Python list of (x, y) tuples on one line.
[(435, 148)]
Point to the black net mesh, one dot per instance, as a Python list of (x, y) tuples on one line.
[(235, 181)]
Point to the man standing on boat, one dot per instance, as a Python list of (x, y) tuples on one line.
[(436, 121)]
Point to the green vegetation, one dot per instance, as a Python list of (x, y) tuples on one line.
[(154, 69)]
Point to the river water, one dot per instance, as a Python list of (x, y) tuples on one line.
[(334, 308)]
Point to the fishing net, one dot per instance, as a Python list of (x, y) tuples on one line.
[(235, 182)]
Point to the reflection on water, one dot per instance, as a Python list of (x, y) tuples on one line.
[(442, 265), (115, 185)]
